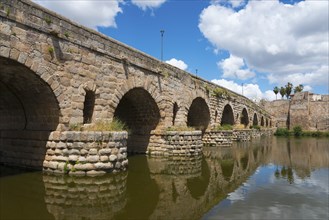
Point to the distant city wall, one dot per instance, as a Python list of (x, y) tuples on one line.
[(308, 110)]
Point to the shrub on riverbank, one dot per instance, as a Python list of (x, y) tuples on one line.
[(298, 132)]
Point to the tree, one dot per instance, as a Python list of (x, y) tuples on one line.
[(298, 88), (276, 91), (282, 91), (288, 89)]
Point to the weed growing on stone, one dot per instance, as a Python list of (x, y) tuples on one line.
[(8, 12), (224, 127), (51, 50), (66, 34), (115, 125), (48, 20)]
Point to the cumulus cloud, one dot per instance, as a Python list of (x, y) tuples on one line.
[(92, 14), (251, 91), (148, 4), (232, 3), (288, 42), (177, 63), (233, 68)]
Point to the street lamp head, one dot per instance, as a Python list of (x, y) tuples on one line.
[(162, 32)]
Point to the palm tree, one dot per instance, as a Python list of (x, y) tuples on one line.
[(288, 89), (276, 91), (282, 91), (298, 88)]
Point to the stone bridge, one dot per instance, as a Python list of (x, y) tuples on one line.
[(56, 75)]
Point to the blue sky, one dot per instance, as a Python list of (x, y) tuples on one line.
[(260, 44)]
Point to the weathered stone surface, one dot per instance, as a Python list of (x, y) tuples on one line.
[(56, 66), (310, 111)]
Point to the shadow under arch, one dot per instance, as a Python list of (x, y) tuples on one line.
[(262, 121), (139, 111), (244, 120), (198, 114), (255, 120), (227, 115), (29, 111), (197, 186)]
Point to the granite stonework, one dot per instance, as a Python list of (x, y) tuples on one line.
[(305, 109), (56, 74), (175, 143), (86, 153)]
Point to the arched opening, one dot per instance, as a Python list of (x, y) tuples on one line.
[(198, 185), (216, 116), (255, 120), (29, 111), (267, 122), (227, 116), (88, 107), (262, 121), (138, 110), (175, 110), (244, 120), (198, 114)]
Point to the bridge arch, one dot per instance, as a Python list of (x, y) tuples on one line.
[(198, 114), (262, 123), (29, 111), (227, 115), (244, 119), (140, 112), (255, 119)]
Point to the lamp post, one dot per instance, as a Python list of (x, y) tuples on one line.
[(162, 32)]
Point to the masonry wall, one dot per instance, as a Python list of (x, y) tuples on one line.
[(49, 63), (308, 110)]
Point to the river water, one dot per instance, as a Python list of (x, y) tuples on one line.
[(268, 178)]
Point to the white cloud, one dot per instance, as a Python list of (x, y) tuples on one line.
[(232, 68), (177, 63), (288, 42), (148, 4), (251, 91), (92, 14), (233, 3)]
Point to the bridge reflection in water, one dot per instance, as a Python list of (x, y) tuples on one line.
[(157, 187)]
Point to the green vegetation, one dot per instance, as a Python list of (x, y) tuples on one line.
[(66, 34), (220, 92), (287, 89), (298, 88), (48, 20), (115, 125), (76, 127), (180, 128), (282, 91), (51, 50), (224, 127), (257, 127), (282, 132), (276, 91), (298, 132), (8, 12)]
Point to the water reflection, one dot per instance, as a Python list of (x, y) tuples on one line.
[(291, 183), (85, 197), (245, 181)]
